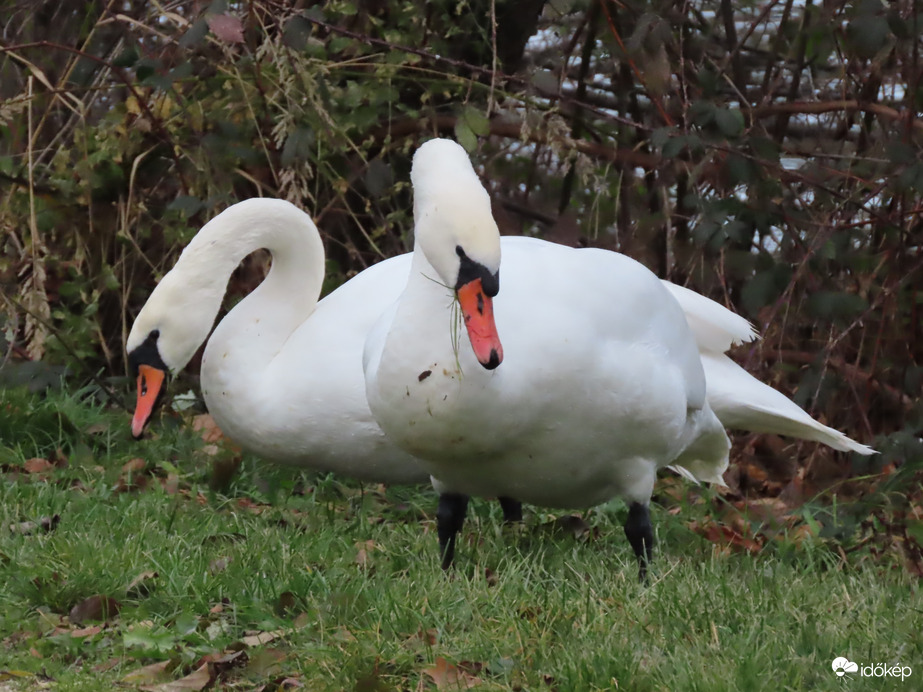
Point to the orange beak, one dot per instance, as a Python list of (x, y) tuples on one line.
[(478, 310), (150, 384)]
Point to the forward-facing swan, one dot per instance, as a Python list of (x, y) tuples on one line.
[(594, 381)]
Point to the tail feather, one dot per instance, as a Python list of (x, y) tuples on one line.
[(714, 327), (738, 399), (743, 402)]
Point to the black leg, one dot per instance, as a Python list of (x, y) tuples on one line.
[(449, 519), (641, 535), (512, 509)]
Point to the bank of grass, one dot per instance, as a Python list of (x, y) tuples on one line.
[(344, 584)]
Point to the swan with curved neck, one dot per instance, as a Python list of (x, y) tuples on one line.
[(601, 382), (281, 374)]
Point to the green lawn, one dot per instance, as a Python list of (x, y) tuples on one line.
[(344, 585)]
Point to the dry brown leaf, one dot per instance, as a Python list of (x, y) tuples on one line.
[(44, 524), (154, 673), (141, 585), (364, 548), (571, 525), (218, 565), (170, 484), (261, 638), (422, 639), (199, 679), (37, 465), (134, 466), (342, 634), (133, 476), (265, 662), (86, 631), (226, 27), (726, 537), (206, 426), (94, 608), (450, 677), (221, 662), (107, 665)]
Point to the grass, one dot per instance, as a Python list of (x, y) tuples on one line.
[(346, 581)]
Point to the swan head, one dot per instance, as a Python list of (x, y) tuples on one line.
[(455, 230), (166, 334)]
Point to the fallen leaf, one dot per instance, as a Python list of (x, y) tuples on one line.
[(218, 565), (262, 638), (155, 672), (135, 465), (287, 603), (37, 465), (362, 555), (170, 484), (342, 634), (35, 652), (94, 608), (571, 525), (141, 585), (133, 476), (199, 679), (7, 674), (221, 662), (265, 662), (107, 665), (204, 424), (422, 639), (86, 632), (44, 524), (450, 677), (97, 428), (226, 27), (725, 537)]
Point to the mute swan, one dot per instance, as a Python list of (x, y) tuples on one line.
[(281, 373), (597, 383)]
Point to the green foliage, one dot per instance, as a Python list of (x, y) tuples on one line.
[(346, 579)]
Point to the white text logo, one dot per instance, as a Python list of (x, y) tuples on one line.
[(842, 666)]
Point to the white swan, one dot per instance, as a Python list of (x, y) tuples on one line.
[(281, 373), (601, 381)]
